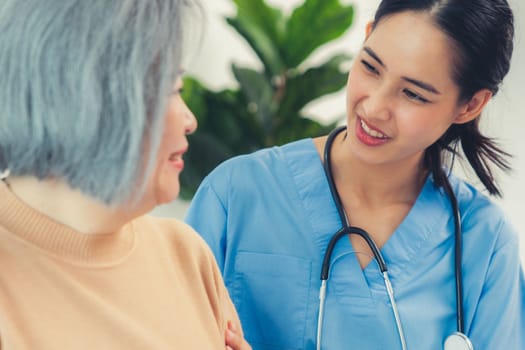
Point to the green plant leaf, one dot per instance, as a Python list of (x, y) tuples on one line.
[(313, 24), (258, 92), (299, 127), (318, 81), (266, 108), (269, 19), (262, 27)]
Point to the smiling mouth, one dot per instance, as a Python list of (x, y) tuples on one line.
[(371, 132), (175, 157), (176, 160)]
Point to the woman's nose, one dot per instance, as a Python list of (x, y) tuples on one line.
[(191, 121), (378, 104)]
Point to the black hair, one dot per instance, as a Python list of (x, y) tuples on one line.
[(481, 33)]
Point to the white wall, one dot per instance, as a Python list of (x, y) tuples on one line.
[(504, 120)]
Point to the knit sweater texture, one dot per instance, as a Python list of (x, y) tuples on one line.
[(153, 284)]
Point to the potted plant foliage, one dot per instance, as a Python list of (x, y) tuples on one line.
[(266, 108)]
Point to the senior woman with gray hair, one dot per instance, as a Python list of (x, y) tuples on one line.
[(92, 134)]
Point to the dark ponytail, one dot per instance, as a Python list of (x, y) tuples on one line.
[(479, 150)]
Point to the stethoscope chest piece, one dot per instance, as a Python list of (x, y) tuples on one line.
[(458, 341)]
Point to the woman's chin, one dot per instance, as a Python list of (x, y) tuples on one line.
[(167, 195)]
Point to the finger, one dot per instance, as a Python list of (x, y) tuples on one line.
[(232, 339), (235, 340), (231, 326)]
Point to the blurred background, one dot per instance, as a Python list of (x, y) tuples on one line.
[(228, 61)]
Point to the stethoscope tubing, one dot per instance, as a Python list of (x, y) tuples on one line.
[(457, 337), (458, 247), (347, 230)]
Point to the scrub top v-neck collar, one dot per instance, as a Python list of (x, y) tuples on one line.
[(425, 224)]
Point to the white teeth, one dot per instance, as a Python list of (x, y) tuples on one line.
[(371, 132)]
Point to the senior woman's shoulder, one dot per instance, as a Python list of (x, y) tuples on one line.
[(176, 250), (171, 230), (173, 239)]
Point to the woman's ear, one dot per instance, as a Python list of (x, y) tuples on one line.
[(473, 108), (368, 29)]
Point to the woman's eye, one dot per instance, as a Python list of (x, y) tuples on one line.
[(177, 91), (413, 96), (369, 67)]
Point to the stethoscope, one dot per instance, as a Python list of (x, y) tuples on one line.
[(455, 341)]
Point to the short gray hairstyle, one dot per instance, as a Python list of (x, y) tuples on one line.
[(84, 86)]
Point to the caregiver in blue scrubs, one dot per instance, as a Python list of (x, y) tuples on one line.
[(415, 93)]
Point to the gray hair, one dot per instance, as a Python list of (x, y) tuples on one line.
[(84, 86)]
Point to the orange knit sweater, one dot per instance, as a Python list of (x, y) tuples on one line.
[(152, 285)]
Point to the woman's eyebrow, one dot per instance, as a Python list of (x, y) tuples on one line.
[(423, 85), (372, 54), (419, 83)]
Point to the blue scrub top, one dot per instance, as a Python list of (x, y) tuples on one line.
[(268, 218)]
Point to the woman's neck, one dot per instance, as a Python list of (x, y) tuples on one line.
[(70, 207), (376, 184)]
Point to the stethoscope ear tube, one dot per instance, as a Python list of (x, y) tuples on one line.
[(458, 247), (325, 269), (328, 172), (347, 230)]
